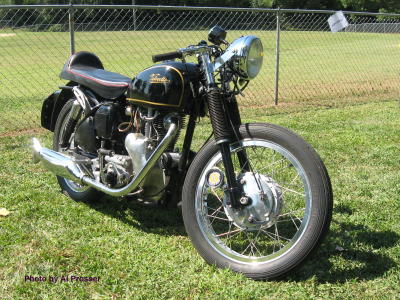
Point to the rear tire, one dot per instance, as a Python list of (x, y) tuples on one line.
[(292, 214), (76, 191)]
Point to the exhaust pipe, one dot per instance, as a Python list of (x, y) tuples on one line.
[(56, 162), (64, 165)]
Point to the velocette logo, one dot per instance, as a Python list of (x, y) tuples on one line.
[(63, 278), (157, 78)]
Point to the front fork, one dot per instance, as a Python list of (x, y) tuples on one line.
[(225, 121)]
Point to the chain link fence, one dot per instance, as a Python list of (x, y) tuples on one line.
[(305, 64)]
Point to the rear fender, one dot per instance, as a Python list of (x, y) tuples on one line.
[(52, 106)]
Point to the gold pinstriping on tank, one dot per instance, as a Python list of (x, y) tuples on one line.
[(163, 104)]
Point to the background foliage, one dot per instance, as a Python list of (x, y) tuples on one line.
[(353, 5)]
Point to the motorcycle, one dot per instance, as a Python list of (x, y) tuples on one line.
[(256, 198)]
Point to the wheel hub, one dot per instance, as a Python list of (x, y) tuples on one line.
[(264, 205)]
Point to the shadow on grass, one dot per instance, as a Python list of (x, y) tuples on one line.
[(359, 258), (153, 219), (350, 252)]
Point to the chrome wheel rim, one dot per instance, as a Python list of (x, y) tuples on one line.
[(283, 210)]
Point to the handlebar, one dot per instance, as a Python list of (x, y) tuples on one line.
[(190, 50), (167, 56)]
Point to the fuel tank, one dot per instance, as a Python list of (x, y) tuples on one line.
[(164, 86)]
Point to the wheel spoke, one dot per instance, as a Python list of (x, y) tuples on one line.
[(215, 211), (246, 163), (255, 242), (271, 164), (259, 160), (291, 182), (277, 233), (216, 195), (252, 244), (229, 233), (217, 218), (252, 171), (290, 190), (291, 219), (297, 227), (249, 245), (293, 212), (274, 236)]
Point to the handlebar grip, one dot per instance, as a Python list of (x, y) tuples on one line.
[(166, 56)]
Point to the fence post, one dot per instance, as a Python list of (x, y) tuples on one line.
[(71, 27), (134, 15), (277, 52)]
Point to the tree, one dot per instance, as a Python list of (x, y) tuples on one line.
[(372, 5), (261, 3), (304, 4)]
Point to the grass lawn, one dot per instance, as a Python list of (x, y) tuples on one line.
[(316, 68), (140, 252)]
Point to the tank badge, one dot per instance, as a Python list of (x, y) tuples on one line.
[(156, 78)]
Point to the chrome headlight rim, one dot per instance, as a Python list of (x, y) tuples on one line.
[(242, 47)]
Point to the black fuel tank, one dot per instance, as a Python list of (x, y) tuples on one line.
[(164, 86)]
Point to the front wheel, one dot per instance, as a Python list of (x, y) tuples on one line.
[(287, 200)]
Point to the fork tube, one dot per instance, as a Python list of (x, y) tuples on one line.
[(234, 116), (233, 190), (205, 57), (223, 134), (223, 131)]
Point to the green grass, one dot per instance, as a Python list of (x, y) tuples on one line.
[(144, 253), (317, 68)]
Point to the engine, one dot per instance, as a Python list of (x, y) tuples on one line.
[(120, 139)]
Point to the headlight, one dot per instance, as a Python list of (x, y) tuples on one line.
[(248, 57)]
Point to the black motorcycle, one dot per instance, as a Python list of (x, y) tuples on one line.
[(256, 198)]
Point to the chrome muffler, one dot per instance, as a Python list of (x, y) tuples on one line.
[(65, 166), (56, 162)]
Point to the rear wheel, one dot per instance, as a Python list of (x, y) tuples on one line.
[(76, 191), (289, 203)]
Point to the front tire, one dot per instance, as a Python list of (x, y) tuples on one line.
[(290, 204), (74, 190)]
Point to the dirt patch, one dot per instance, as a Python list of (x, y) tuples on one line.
[(19, 132), (7, 34)]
